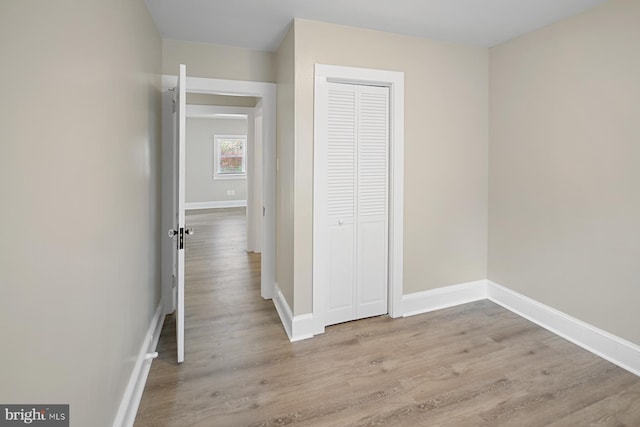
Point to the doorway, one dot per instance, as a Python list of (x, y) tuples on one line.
[(220, 149), (261, 190)]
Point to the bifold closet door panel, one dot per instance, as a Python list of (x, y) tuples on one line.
[(341, 202), (372, 200)]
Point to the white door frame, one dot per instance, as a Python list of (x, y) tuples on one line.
[(265, 172), (394, 80)]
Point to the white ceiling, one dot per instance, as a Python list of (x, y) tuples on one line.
[(261, 24)]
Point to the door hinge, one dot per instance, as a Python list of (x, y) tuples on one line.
[(264, 210), (173, 105)]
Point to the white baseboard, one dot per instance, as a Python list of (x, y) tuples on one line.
[(133, 393), (297, 327), (448, 296), (284, 311), (216, 205), (608, 346)]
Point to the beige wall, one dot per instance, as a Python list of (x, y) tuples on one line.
[(79, 184), (200, 185), (564, 224), (220, 62), (285, 174), (446, 140)]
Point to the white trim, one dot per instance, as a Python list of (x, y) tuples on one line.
[(255, 185), (302, 327), (297, 327), (284, 311), (439, 298), (229, 177), (608, 346), (169, 202), (394, 80), (133, 393), (217, 111), (216, 205), (265, 158), (220, 86)]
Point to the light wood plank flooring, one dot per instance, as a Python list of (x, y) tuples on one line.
[(472, 365)]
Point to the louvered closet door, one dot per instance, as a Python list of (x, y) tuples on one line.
[(372, 178), (340, 202), (354, 185)]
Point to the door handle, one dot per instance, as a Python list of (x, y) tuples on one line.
[(189, 232), (172, 232)]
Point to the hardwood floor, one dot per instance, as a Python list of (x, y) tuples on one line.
[(472, 365)]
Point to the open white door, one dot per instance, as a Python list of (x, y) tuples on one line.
[(179, 230)]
